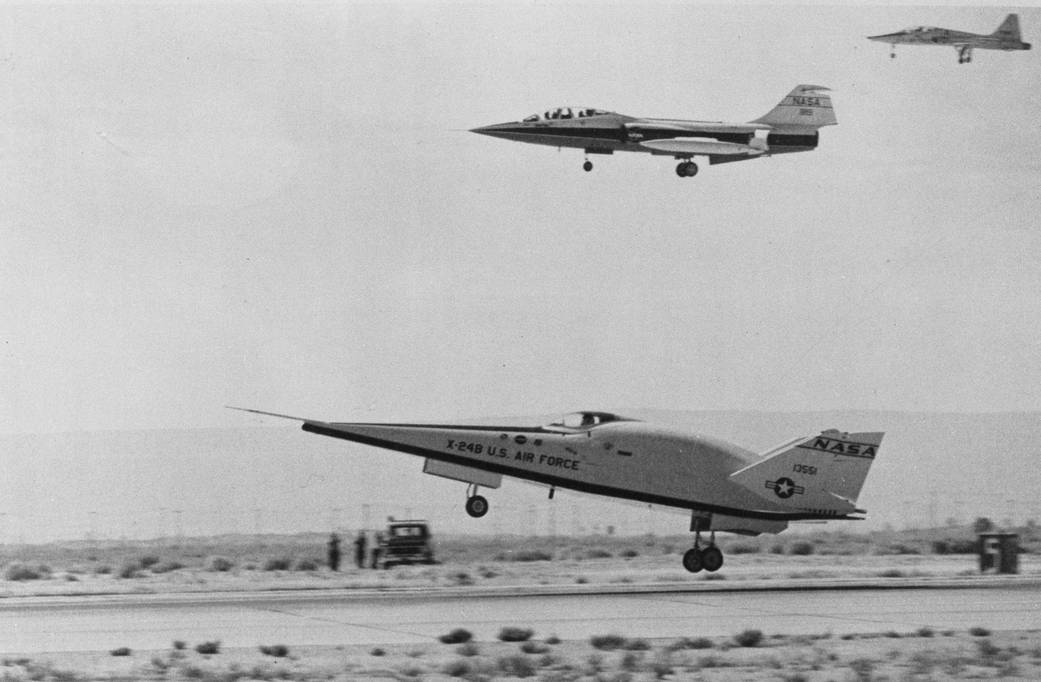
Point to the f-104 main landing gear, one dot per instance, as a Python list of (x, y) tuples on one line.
[(710, 558), (687, 169), (476, 505)]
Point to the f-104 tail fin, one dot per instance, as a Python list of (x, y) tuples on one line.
[(805, 107), (821, 474)]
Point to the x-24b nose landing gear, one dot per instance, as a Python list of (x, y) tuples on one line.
[(476, 505)]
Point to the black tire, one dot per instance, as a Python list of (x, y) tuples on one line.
[(681, 170), (711, 559), (692, 560), (691, 169), (587, 166), (476, 506)]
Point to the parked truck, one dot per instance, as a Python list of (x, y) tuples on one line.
[(405, 542)]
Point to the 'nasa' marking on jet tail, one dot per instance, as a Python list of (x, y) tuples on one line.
[(785, 487), (840, 447)]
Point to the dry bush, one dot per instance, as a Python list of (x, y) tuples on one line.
[(748, 638), (530, 647), (219, 564), (208, 648), (515, 634), (277, 564), (801, 548), (467, 649), (19, 571), (692, 643), (166, 566), (516, 665), (130, 569), (148, 560), (456, 636), (276, 650), (525, 555), (458, 668), (607, 642)]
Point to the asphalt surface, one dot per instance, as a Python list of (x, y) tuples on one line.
[(37, 625)]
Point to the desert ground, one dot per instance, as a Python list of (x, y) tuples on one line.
[(241, 563)]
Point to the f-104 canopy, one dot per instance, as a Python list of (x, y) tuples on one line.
[(565, 113)]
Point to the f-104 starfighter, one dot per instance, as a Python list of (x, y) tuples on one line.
[(723, 486), (791, 126)]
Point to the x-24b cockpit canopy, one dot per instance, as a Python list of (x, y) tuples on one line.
[(791, 126), (586, 420)]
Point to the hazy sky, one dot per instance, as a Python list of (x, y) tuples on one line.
[(279, 206)]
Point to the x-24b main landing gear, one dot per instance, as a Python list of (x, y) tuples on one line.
[(709, 558)]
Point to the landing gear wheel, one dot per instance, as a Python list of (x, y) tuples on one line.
[(587, 166), (711, 559), (476, 506), (687, 169), (693, 560)]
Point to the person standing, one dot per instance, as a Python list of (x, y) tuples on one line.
[(334, 552), (359, 550), (377, 548)]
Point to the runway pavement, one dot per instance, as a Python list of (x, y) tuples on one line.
[(29, 626)]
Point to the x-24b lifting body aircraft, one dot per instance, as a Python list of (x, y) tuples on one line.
[(725, 487), (791, 126), (1006, 37)]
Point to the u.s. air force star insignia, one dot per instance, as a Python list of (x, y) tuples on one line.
[(785, 487)]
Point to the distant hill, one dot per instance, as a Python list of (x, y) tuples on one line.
[(279, 479)]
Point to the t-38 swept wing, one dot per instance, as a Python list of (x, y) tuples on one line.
[(1005, 37)]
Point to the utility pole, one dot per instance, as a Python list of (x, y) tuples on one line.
[(178, 526)]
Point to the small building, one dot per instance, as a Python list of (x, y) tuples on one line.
[(999, 552)]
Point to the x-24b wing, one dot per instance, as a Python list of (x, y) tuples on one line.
[(723, 486), (791, 126)]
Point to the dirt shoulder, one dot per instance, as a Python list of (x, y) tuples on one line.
[(924, 654), (662, 570)]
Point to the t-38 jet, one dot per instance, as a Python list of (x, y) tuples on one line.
[(723, 486), (791, 126), (1006, 37)]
